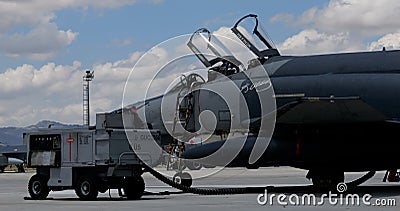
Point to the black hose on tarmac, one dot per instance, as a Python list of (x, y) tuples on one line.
[(361, 180), (205, 191), (243, 190)]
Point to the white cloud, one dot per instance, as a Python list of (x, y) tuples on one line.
[(28, 93), (314, 42), (343, 25), (44, 39), (54, 92), (390, 42), (367, 17), (40, 43), (33, 12), (282, 17)]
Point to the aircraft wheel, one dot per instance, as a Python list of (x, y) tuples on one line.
[(133, 187), (2, 168), (193, 165), (37, 187), (86, 189), (183, 178), (327, 180)]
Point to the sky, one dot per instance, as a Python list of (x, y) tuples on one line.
[(46, 45)]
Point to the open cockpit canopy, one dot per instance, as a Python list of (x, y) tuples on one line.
[(213, 53), (252, 34)]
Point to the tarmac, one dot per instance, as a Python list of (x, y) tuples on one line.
[(290, 184)]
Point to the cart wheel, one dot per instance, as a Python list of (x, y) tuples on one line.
[(86, 189), (37, 187), (133, 187), (183, 178)]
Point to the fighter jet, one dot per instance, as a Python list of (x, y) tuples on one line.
[(328, 114), (12, 155)]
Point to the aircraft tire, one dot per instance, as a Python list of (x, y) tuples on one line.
[(183, 178), (327, 180)]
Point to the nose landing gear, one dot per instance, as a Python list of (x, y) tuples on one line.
[(183, 178), (326, 180)]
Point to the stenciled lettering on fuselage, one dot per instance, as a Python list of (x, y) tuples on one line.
[(258, 86)]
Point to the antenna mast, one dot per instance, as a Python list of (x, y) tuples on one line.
[(86, 114)]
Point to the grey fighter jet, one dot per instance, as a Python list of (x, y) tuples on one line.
[(328, 114)]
